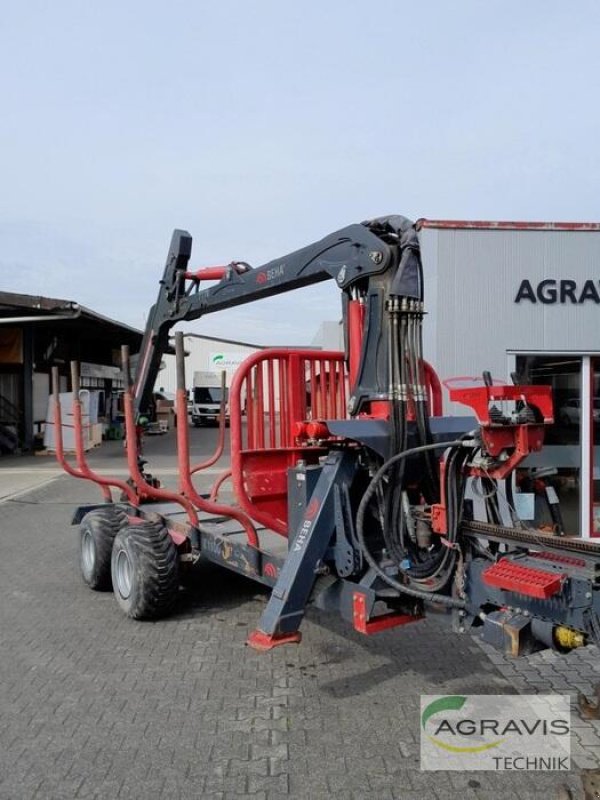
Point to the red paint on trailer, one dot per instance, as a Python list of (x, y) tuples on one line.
[(83, 471), (383, 622), (144, 488), (311, 387), (480, 397), (187, 487)]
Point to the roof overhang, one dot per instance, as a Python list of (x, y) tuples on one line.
[(461, 224)]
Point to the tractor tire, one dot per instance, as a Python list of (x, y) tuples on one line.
[(145, 570), (97, 532)]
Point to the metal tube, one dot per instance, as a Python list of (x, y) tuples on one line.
[(41, 318), (84, 472), (221, 439), (75, 379), (356, 319), (58, 437), (214, 492), (126, 364), (55, 385), (77, 416), (314, 398), (271, 390), (144, 488), (260, 407), (249, 410), (283, 402), (180, 360), (190, 495)]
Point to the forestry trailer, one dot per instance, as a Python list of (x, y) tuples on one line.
[(352, 491)]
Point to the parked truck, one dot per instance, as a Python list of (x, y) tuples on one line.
[(209, 391)]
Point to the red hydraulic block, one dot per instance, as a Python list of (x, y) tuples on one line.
[(523, 580)]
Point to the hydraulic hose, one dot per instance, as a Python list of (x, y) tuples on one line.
[(449, 602), (398, 437)]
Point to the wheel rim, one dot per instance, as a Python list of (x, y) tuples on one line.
[(123, 574), (88, 553)]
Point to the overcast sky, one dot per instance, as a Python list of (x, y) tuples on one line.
[(263, 126)]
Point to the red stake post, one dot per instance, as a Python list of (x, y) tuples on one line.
[(83, 470), (183, 456), (143, 487)]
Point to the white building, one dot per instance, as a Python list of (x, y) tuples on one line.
[(205, 353), (515, 297), (329, 336)]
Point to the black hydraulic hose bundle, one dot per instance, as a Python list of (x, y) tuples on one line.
[(360, 524), (406, 383), (439, 563), (431, 483), (394, 519)]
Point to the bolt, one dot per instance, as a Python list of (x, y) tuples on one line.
[(588, 595)]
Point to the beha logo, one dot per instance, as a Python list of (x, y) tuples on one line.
[(550, 292)]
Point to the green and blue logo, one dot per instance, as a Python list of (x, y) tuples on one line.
[(451, 726)]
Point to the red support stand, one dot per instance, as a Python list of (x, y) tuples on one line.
[(363, 624), (258, 640)]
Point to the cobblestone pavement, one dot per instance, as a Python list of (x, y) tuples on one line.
[(96, 705)]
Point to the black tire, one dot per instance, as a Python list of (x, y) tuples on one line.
[(97, 532), (145, 570)]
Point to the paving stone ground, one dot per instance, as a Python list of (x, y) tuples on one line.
[(95, 705)]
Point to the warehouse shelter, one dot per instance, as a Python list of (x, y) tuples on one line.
[(37, 333)]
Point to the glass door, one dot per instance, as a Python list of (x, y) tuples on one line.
[(559, 464), (595, 446)]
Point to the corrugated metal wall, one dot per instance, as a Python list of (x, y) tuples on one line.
[(471, 280)]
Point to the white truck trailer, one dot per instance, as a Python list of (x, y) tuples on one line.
[(208, 391)]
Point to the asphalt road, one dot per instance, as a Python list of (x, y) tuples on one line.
[(96, 705)]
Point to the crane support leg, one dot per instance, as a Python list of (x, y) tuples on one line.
[(283, 615)]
